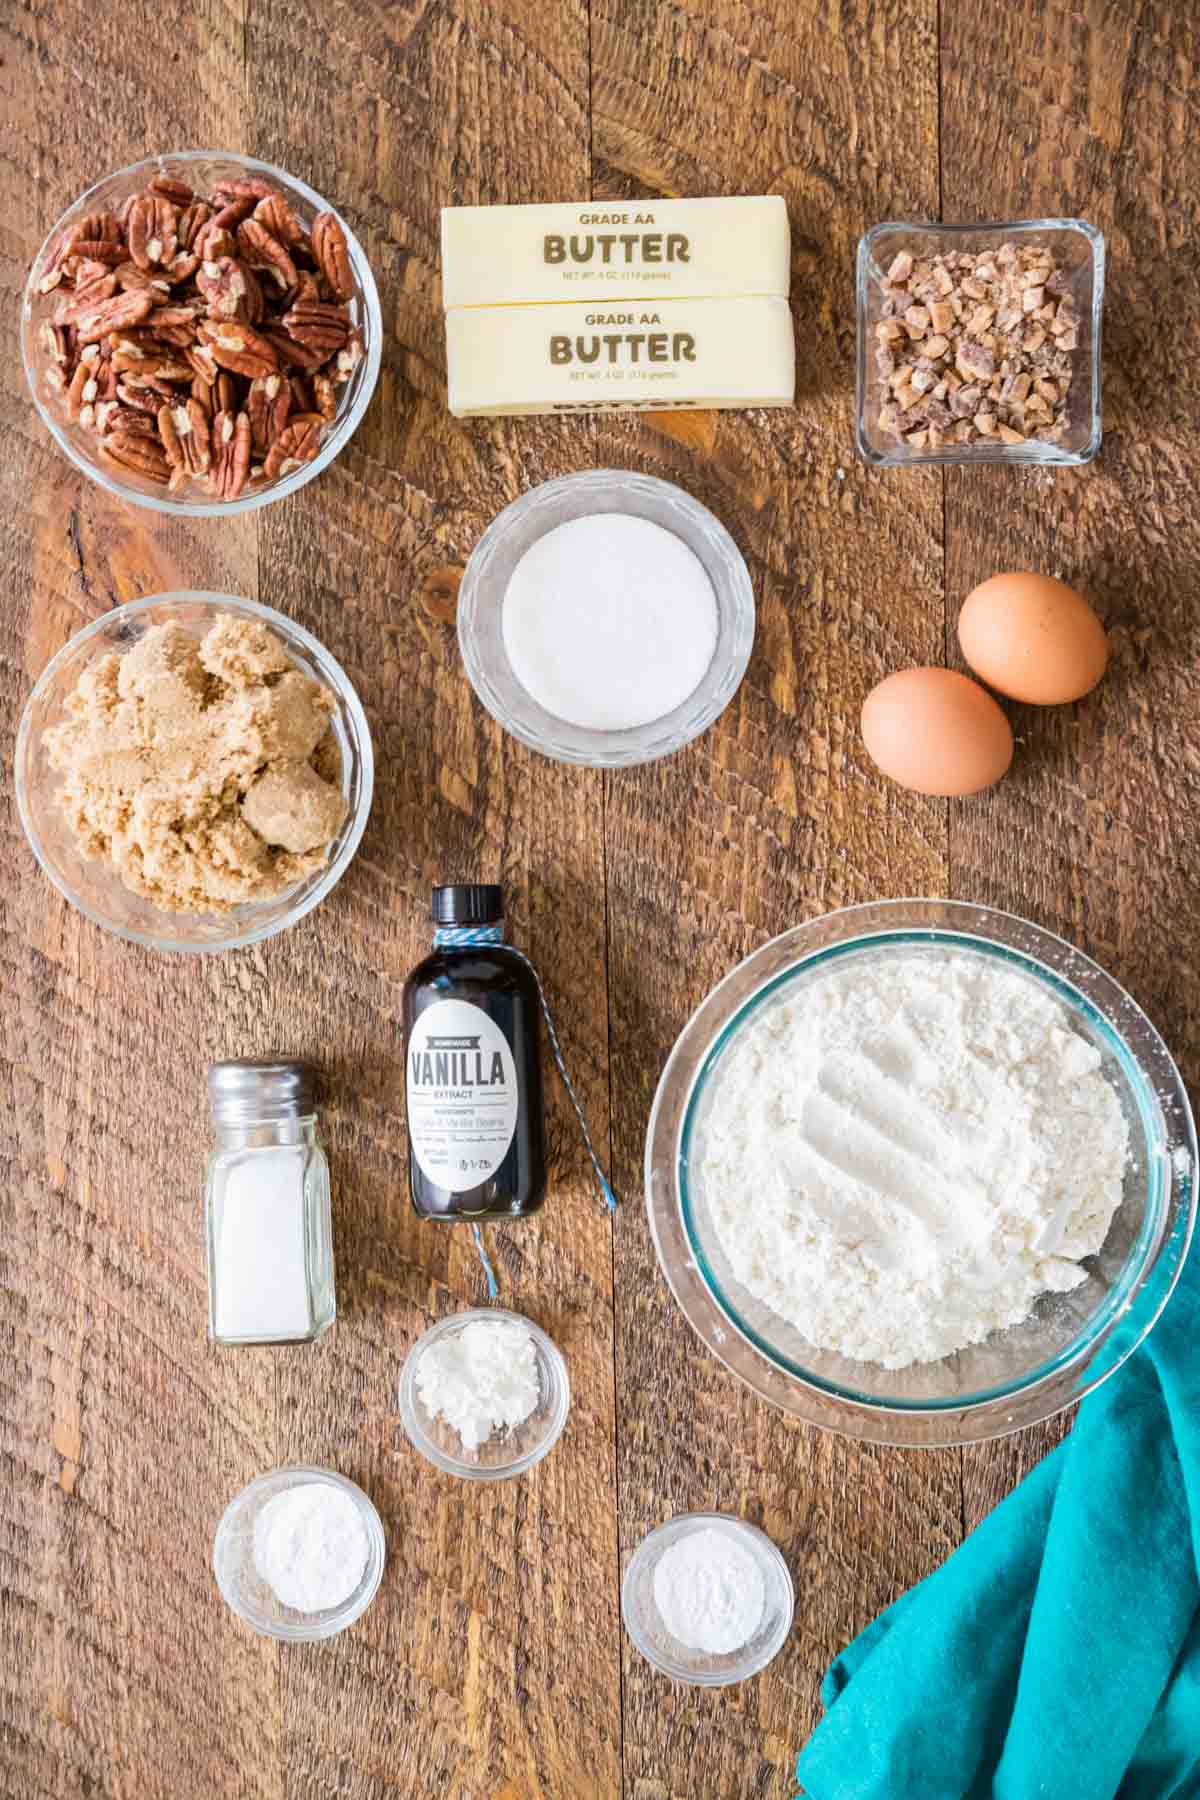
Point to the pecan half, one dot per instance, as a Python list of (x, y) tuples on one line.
[(268, 403), (212, 242), (144, 456), (233, 212), (325, 399), (297, 443), (230, 455), (274, 212), (167, 187), (246, 188), (265, 253), (175, 325), (183, 429), (57, 341), (88, 269), (191, 223), (291, 354), (225, 393), (305, 292), (182, 266), (129, 276), (225, 287), (101, 250), (84, 389), (348, 358), (130, 421), (237, 347), (142, 396), (320, 328), (163, 367), (332, 254), (93, 228), (153, 239), (112, 315), (203, 363), (87, 297)]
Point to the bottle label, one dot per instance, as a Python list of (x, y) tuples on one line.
[(462, 1095)]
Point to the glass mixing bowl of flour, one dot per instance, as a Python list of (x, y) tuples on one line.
[(1100, 1282)]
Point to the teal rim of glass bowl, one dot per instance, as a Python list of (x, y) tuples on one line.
[(1117, 1300)]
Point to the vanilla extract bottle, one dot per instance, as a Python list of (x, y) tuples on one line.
[(473, 1073)]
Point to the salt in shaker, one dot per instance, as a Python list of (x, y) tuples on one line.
[(266, 1205)]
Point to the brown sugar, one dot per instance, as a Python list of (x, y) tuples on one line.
[(204, 770)]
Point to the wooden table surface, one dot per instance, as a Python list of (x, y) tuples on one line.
[(492, 1663)]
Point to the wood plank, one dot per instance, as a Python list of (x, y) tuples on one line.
[(1086, 110), (490, 1655), (774, 816), (119, 1428)]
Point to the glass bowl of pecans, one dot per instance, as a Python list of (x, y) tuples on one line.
[(201, 333), (980, 343)]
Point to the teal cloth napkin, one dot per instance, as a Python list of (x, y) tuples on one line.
[(1057, 1652)]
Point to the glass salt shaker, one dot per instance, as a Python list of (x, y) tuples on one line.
[(266, 1206)]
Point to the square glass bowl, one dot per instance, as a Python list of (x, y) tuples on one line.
[(1079, 250), (200, 169)]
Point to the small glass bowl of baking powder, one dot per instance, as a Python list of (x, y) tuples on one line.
[(506, 1452), (237, 1550), (751, 1553)]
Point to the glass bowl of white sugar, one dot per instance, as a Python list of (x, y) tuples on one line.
[(299, 1553), (921, 1172), (484, 1394), (606, 618), (708, 1599)]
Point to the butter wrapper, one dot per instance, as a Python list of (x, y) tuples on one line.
[(642, 250), (571, 358)]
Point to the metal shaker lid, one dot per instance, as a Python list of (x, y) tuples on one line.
[(253, 1088)]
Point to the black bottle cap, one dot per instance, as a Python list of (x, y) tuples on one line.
[(468, 903)]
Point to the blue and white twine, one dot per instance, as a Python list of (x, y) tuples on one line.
[(461, 937)]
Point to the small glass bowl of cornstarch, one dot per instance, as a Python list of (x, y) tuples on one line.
[(299, 1553), (708, 1599), (484, 1394)]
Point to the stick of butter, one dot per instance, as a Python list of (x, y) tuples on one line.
[(571, 358), (615, 250)]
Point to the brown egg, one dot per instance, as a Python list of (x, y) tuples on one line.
[(937, 732), (1032, 638)]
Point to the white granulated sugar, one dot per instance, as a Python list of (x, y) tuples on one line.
[(481, 1379), (311, 1546), (609, 621), (709, 1591), (901, 1158)]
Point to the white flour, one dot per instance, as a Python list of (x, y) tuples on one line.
[(899, 1160), (481, 1379), (709, 1591)]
